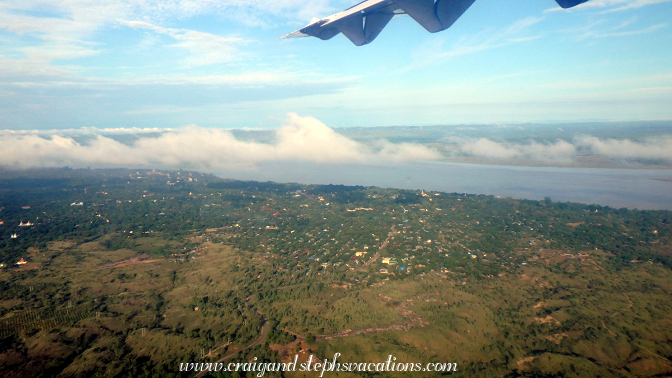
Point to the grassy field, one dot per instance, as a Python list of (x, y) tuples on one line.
[(556, 315)]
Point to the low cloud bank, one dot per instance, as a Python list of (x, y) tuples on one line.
[(650, 149), (560, 151), (302, 139)]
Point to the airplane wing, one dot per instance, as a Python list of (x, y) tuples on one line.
[(362, 23)]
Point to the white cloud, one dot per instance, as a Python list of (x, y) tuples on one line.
[(302, 138), (598, 29), (656, 149), (633, 32), (613, 5), (434, 53), (560, 151), (25, 73), (205, 48), (636, 4), (405, 151), (76, 17), (43, 42), (87, 131), (70, 29), (564, 152)]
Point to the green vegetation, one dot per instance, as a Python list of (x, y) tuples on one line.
[(130, 273)]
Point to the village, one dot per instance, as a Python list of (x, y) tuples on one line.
[(225, 269), (374, 234)]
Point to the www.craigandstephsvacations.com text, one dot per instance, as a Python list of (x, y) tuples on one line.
[(319, 366)]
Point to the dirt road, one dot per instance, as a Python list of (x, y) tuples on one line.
[(382, 246)]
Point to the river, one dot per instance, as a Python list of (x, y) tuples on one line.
[(632, 188)]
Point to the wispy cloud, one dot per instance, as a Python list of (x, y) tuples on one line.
[(205, 48), (636, 4), (136, 51), (632, 32), (601, 29), (87, 131), (78, 17), (67, 29), (31, 74), (435, 52), (612, 5)]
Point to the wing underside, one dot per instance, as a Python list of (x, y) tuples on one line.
[(363, 22)]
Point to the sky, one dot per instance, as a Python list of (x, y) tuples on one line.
[(170, 63), (196, 68)]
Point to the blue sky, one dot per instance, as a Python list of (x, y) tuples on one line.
[(70, 64)]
